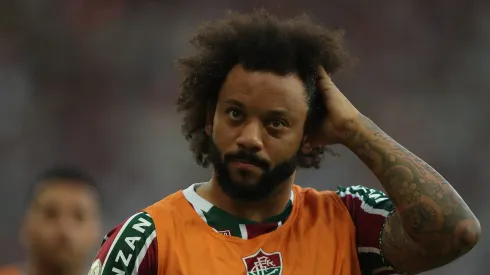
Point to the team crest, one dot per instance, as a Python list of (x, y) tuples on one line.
[(96, 268), (263, 263)]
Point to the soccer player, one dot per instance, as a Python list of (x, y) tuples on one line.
[(258, 103), (62, 224)]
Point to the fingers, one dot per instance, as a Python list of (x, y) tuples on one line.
[(324, 81), (322, 73)]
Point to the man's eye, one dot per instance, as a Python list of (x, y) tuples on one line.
[(234, 114), (277, 123)]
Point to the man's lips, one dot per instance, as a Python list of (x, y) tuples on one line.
[(240, 164)]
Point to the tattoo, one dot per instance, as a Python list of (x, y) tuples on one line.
[(432, 225)]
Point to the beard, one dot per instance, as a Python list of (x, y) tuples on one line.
[(268, 182)]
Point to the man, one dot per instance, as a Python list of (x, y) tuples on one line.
[(62, 224), (258, 103)]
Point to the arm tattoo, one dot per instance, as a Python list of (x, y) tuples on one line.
[(432, 225)]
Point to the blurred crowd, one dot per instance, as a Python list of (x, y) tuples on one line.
[(93, 83)]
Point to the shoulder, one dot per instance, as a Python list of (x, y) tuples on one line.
[(9, 270), (361, 192), (168, 206), (368, 200), (128, 248), (140, 225), (320, 199)]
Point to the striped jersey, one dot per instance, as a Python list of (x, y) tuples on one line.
[(132, 246)]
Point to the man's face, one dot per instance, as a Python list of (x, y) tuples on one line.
[(62, 224), (256, 131)]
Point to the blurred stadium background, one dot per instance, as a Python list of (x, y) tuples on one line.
[(93, 83)]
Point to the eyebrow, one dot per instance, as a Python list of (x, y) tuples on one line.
[(271, 113), (278, 113), (235, 102)]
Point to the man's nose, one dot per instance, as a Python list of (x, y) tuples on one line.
[(251, 137)]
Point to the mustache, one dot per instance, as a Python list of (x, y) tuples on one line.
[(247, 157)]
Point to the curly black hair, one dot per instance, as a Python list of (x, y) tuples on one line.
[(258, 41)]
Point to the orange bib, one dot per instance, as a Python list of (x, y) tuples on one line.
[(317, 238)]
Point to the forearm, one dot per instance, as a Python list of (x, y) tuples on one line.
[(430, 210)]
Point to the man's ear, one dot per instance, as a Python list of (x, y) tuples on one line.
[(209, 120), (312, 141), (306, 146)]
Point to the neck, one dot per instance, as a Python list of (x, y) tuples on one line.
[(257, 211), (34, 268)]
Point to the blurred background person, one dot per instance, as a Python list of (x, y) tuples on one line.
[(62, 224)]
